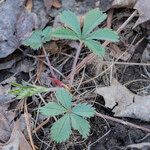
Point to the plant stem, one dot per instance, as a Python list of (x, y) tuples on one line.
[(72, 74)]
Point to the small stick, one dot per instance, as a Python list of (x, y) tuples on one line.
[(110, 17), (123, 122), (74, 64), (28, 125), (48, 62), (90, 57), (40, 125), (126, 63)]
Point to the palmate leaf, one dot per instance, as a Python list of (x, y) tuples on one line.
[(52, 109), (23, 91), (71, 20), (104, 34), (95, 47), (92, 19), (64, 97), (34, 41), (46, 34), (80, 124), (38, 37), (61, 129), (65, 33), (84, 110)]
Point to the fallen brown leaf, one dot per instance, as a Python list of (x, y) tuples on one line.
[(17, 140), (6, 118), (129, 104)]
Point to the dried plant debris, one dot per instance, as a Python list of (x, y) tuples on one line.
[(5, 87), (105, 5), (129, 104), (17, 23), (6, 118), (11, 132), (51, 3), (143, 8), (146, 59), (123, 3), (17, 140)]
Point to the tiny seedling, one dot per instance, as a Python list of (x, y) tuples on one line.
[(85, 35), (72, 117)]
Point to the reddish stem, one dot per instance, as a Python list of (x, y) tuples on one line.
[(72, 74)]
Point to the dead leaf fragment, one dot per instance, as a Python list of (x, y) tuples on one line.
[(52, 47), (123, 3), (116, 52), (105, 5), (11, 136), (56, 4), (17, 140), (29, 5), (6, 124), (5, 87), (143, 7), (129, 104)]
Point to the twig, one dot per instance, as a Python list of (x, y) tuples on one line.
[(41, 98), (126, 63), (28, 125), (74, 64), (141, 140), (48, 62), (90, 57), (123, 122), (110, 17), (112, 64), (40, 125)]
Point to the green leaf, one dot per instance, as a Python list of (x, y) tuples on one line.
[(92, 19), (80, 124), (34, 41), (38, 37), (65, 33), (64, 97), (71, 20), (46, 34), (23, 91), (52, 109), (104, 34), (84, 110), (95, 47), (61, 129)]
